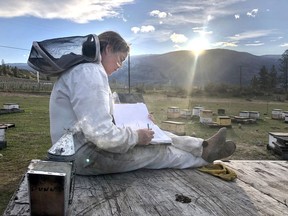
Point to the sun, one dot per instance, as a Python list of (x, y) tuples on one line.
[(198, 45)]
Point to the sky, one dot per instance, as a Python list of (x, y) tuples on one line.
[(258, 27)]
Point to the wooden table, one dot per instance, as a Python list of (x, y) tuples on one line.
[(260, 189)]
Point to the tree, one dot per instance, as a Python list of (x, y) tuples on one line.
[(264, 81), (273, 77), (283, 68), (15, 71), (254, 82), (4, 69)]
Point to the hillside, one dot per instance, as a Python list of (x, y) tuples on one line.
[(181, 68)]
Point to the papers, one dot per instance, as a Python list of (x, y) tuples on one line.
[(136, 116)]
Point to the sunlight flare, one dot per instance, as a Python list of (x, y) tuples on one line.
[(198, 45)]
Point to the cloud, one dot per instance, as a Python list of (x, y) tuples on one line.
[(210, 17), (157, 13), (202, 31), (190, 13), (74, 10), (252, 13), (254, 44), (252, 34), (284, 45), (135, 30), (143, 29), (177, 47), (178, 38), (225, 44), (148, 28)]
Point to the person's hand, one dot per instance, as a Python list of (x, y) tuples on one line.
[(145, 136), (151, 117)]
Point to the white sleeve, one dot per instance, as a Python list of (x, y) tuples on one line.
[(89, 96)]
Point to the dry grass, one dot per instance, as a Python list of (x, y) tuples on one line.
[(30, 138)]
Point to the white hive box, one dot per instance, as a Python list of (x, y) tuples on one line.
[(206, 116), (196, 111), (3, 142), (185, 113), (10, 106), (49, 187), (173, 112), (254, 114), (244, 114), (276, 114), (284, 114)]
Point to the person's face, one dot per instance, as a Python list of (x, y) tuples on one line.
[(112, 61)]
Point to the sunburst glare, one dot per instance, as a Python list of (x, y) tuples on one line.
[(192, 74), (198, 45)]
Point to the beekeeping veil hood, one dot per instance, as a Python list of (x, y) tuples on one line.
[(52, 57)]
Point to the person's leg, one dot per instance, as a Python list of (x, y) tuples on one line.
[(176, 158), (189, 144), (92, 161), (214, 148), (185, 152)]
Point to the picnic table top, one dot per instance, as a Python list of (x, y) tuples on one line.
[(260, 189)]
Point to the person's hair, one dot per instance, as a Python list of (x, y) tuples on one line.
[(113, 39)]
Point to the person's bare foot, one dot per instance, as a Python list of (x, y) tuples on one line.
[(216, 147)]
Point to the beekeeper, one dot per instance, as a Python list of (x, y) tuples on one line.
[(81, 101)]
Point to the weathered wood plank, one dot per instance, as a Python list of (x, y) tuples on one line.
[(269, 177), (261, 189)]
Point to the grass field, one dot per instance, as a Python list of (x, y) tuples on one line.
[(30, 139)]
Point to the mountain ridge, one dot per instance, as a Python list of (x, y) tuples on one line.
[(182, 68)]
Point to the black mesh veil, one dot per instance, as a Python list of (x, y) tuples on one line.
[(53, 56)]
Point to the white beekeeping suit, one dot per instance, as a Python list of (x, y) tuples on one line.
[(81, 100)]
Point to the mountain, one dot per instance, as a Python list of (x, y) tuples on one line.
[(22, 66), (182, 68)]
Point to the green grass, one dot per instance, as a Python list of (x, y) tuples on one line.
[(251, 139), (30, 138)]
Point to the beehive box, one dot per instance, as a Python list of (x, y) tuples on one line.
[(276, 114), (206, 116), (223, 120), (273, 138), (10, 106), (244, 114), (284, 114), (196, 111), (177, 128), (185, 113), (254, 114), (3, 143), (278, 142), (49, 187), (173, 112), (221, 112)]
